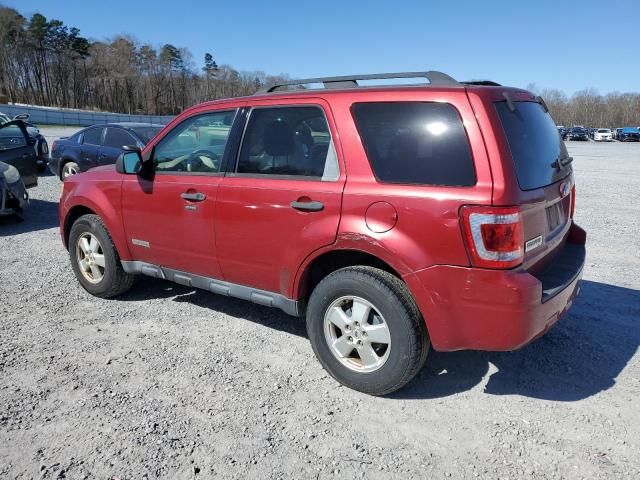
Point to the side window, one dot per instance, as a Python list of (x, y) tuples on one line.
[(195, 145), (117, 138), (420, 143), (288, 141), (11, 137), (92, 136)]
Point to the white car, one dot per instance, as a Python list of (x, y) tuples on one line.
[(603, 135)]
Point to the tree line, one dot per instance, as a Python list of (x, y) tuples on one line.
[(590, 109), (45, 62)]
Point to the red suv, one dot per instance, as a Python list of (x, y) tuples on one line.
[(393, 217)]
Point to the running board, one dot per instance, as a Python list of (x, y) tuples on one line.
[(261, 297)]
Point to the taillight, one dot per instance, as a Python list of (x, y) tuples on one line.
[(494, 236), (572, 207)]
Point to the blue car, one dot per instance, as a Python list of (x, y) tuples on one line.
[(97, 145), (629, 134)]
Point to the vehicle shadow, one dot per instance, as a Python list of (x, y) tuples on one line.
[(579, 357), (39, 215), (147, 288)]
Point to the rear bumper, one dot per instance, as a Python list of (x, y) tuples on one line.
[(472, 308)]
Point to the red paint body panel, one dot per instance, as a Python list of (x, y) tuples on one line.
[(180, 234), (473, 308), (100, 193), (247, 233)]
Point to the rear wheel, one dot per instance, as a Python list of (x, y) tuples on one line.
[(366, 329), (95, 260), (69, 169)]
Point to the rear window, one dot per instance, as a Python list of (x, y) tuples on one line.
[(117, 138), (146, 133), (92, 136), (420, 143), (534, 143)]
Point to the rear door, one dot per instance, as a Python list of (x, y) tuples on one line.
[(16, 150), (114, 139), (90, 148), (281, 199)]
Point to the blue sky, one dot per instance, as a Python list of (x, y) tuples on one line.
[(560, 44)]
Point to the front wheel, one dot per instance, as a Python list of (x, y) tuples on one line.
[(366, 329), (95, 260)]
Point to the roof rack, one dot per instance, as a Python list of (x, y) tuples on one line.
[(351, 81)]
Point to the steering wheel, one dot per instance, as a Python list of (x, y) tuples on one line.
[(194, 162)]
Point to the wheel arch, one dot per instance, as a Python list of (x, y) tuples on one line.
[(325, 262), (111, 218)]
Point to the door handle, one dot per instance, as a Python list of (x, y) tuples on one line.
[(193, 197), (307, 206)]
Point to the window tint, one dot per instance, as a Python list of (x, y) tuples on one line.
[(146, 133), (288, 141), (92, 136), (11, 137), (195, 145), (415, 143), (534, 143), (117, 137)]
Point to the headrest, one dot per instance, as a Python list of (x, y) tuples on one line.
[(278, 139)]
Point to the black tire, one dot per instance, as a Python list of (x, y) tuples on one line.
[(115, 280), (391, 297)]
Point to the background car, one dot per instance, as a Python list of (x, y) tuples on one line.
[(578, 133), (97, 145), (603, 135), (40, 145), (16, 149), (14, 198), (629, 134)]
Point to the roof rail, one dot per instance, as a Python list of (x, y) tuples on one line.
[(351, 81)]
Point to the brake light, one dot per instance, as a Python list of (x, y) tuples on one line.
[(494, 236), (572, 207)]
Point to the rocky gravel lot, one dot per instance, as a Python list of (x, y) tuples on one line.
[(169, 382)]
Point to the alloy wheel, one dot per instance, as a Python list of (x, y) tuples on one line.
[(90, 257), (357, 334)]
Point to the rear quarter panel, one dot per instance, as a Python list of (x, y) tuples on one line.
[(427, 230)]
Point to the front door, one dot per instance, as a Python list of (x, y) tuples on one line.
[(169, 216), (282, 199), (16, 150)]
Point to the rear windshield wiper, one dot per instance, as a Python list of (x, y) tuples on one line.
[(561, 163)]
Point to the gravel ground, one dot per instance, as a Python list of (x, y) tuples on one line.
[(168, 382)]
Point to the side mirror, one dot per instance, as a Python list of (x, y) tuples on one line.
[(130, 161), (22, 116)]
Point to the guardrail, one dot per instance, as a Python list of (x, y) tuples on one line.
[(80, 118)]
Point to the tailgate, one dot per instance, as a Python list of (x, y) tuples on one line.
[(546, 217), (542, 167)]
